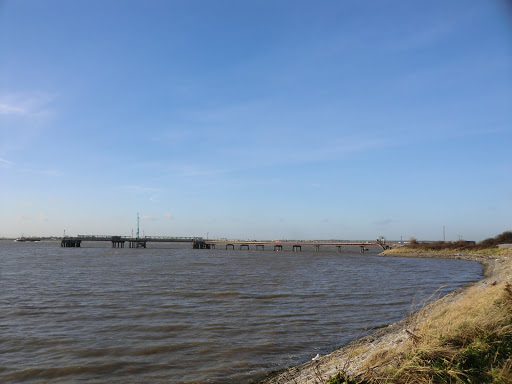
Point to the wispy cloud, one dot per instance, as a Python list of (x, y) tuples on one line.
[(20, 169), (384, 222), (193, 168), (22, 218), (176, 134), (198, 170), (422, 37), (42, 172), (235, 160), (23, 116), (27, 204), (168, 216), (152, 194), (306, 152), (6, 109), (42, 217), (5, 163), (28, 104), (139, 189), (51, 172)]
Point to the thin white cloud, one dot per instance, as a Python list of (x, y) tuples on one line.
[(151, 193), (421, 38), (384, 223), (51, 172), (235, 160), (5, 163), (179, 169), (139, 189), (26, 104), (23, 117), (301, 153), (6, 109), (27, 204), (176, 135), (228, 113), (194, 170), (42, 217), (43, 172), (168, 216), (21, 218)]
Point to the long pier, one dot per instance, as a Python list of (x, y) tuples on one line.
[(201, 243), (119, 241), (294, 245)]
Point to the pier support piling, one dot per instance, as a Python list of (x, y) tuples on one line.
[(200, 244), (137, 243), (70, 243)]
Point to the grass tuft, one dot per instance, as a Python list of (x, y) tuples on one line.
[(468, 342)]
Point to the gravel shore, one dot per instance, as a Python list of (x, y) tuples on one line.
[(350, 359)]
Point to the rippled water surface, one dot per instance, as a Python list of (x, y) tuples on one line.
[(177, 315)]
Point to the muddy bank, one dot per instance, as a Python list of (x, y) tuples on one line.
[(353, 358)]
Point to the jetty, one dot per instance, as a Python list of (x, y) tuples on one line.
[(120, 241), (292, 245), (201, 243)]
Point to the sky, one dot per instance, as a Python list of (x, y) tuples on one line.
[(256, 119)]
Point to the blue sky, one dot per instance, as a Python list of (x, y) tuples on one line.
[(256, 119)]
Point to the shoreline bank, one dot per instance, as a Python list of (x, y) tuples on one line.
[(356, 357)]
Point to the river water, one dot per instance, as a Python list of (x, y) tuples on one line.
[(176, 315)]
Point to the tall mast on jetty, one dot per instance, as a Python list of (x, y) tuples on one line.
[(137, 226)]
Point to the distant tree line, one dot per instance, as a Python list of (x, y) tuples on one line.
[(504, 238)]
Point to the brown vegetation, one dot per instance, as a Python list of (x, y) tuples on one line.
[(468, 342), (462, 245)]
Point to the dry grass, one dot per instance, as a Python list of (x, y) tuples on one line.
[(449, 251), (468, 341), (355, 352)]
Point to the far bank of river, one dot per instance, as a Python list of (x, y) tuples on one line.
[(378, 352)]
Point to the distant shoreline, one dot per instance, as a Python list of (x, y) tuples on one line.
[(351, 359)]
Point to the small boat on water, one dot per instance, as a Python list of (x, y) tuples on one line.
[(23, 239)]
